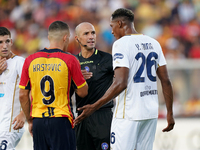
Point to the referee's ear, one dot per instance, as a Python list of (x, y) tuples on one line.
[(76, 38)]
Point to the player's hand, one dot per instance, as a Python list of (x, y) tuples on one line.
[(19, 121), (86, 75), (171, 123), (30, 127), (3, 65), (87, 110)]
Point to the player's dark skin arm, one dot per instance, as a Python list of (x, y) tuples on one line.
[(118, 85), (26, 104), (168, 96)]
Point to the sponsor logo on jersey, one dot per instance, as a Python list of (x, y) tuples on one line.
[(104, 146), (2, 95), (147, 87), (86, 62), (118, 56), (149, 92), (87, 68), (2, 90)]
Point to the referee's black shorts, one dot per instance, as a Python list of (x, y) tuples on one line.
[(93, 133), (53, 134)]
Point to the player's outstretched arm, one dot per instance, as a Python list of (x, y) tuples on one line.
[(168, 96), (26, 104), (83, 91), (19, 121), (119, 84)]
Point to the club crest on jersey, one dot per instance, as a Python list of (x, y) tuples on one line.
[(118, 56), (104, 146), (6, 71), (87, 68)]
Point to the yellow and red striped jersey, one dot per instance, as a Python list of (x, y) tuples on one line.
[(48, 74)]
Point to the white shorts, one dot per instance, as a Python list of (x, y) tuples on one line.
[(132, 134), (9, 140)]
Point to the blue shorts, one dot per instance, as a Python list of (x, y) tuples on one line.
[(53, 134)]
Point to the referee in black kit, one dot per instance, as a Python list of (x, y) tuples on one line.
[(93, 133)]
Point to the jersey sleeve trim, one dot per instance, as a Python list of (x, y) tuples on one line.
[(22, 87), (80, 86)]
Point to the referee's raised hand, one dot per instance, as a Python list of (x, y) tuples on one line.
[(86, 74)]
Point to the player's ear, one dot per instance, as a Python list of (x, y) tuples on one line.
[(120, 23), (11, 41), (65, 37)]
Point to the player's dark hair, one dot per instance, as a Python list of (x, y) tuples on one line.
[(4, 31), (123, 12), (58, 26)]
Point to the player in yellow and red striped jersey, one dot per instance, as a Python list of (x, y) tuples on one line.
[(48, 74)]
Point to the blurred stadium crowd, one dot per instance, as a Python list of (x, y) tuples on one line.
[(174, 23)]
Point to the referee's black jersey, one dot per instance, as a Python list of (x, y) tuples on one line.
[(100, 64)]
